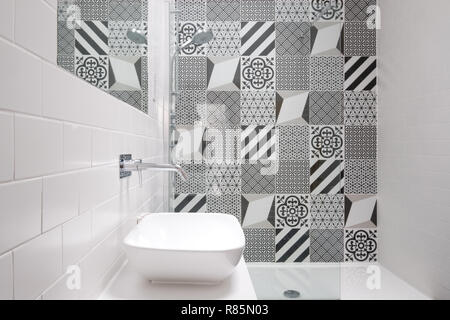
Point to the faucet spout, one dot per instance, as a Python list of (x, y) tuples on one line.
[(139, 165)]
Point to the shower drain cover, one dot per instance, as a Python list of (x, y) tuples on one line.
[(291, 294)]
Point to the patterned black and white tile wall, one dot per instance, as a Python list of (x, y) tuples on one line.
[(92, 44), (279, 114)]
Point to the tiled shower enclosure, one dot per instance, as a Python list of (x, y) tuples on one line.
[(276, 123), (92, 44)]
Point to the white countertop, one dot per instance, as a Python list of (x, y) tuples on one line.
[(129, 285)]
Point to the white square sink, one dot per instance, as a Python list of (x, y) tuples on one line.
[(185, 247)]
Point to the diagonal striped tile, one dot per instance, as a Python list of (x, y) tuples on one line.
[(258, 143), (360, 73), (189, 203), (327, 176), (92, 38), (257, 38), (292, 245)]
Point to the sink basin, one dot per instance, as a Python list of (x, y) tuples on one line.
[(185, 247)]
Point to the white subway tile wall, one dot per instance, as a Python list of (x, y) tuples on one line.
[(6, 277), (7, 18), (29, 15), (7, 146), (61, 200), (38, 146), (77, 146), (37, 264)]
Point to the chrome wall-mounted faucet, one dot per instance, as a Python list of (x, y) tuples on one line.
[(128, 164)]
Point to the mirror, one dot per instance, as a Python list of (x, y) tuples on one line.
[(104, 43)]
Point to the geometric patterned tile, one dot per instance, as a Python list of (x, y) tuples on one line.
[(257, 107), (292, 73), (257, 38), (93, 69), (363, 99), (292, 211), (145, 6), (222, 146), (292, 245), (327, 73), (292, 38), (292, 107), (223, 179), (292, 10), (361, 245), (125, 10), (224, 203), (360, 108), (190, 107), (226, 41), (327, 177), (93, 9), (256, 180), (186, 30), (326, 107), (223, 73), (293, 142), (261, 10), (192, 73), (258, 211), (327, 39), (258, 73), (360, 211), (327, 245), (223, 109), (356, 10), (118, 41), (191, 10), (327, 142), (91, 38), (360, 176), (361, 142), (292, 177), (187, 144), (133, 98), (334, 13), (258, 143), (259, 245), (144, 74), (359, 39), (66, 62), (360, 73), (196, 184), (189, 203), (125, 73), (327, 211), (223, 10), (64, 9), (66, 39)]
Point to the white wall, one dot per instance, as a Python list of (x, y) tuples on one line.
[(61, 200), (414, 129)]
